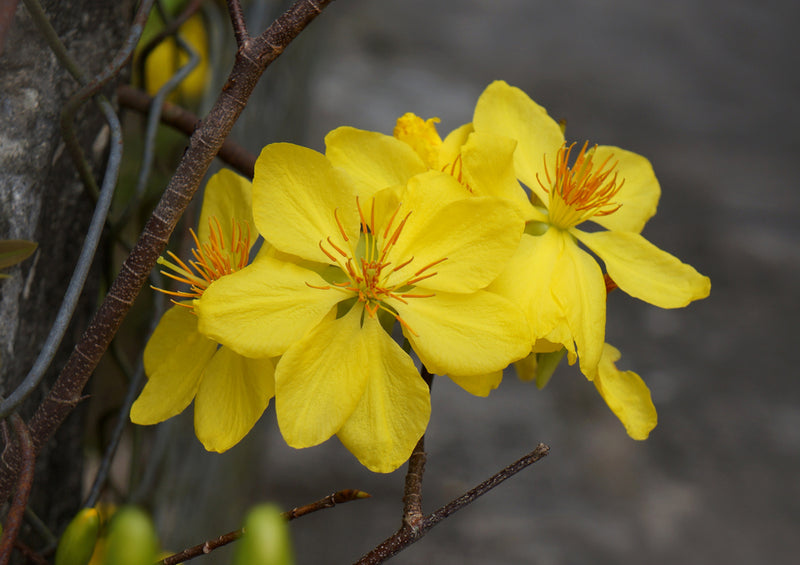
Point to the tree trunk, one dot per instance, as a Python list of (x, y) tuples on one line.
[(42, 199)]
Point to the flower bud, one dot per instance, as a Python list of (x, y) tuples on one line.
[(131, 539), (77, 543), (266, 538)]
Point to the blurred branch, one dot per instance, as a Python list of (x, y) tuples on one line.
[(329, 501), (407, 535), (251, 61), (184, 121), (17, 510), (7, 10)]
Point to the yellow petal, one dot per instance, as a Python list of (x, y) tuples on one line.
[(394, 409), (479, 385), (451, 146), (465, 334), (374, 159), (626, 395), (295, 193), (580, 291), (527, 367), (646, 272), (527, 281), (476, 237), (639, 193), (227, 196), (488, 167), (174, 360), (232, 396), (264, 308), (508, 111), (321, 379)]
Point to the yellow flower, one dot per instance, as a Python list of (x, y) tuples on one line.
[(558, 285), (230, 392), (351, 262), (482, 164)]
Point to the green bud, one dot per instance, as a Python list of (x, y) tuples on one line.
[(547, 363), (266, 538), (77, 543), (131, 539)]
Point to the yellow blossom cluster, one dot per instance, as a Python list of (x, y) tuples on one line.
[(390, 253)]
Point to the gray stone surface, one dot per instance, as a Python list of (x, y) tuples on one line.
[(708, 91)]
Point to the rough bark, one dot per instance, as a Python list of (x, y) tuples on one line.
[(42, 199)]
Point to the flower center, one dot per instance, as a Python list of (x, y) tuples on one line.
[(212, 259), (371, 277), (582, 190)]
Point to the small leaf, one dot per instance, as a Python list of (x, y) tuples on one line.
[(13, 251)]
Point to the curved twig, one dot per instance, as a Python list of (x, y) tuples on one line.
[(407, 535)]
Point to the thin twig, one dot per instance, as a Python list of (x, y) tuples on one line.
[(329, 501), (412, 493), (250, 63), (17, 510), (239, 25), (407, 535), (186, 122), (30, 555)]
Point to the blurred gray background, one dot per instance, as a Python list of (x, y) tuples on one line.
[(708, 91)]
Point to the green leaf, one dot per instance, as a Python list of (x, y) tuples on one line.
[(13, 251)]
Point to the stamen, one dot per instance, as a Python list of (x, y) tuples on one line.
[(337, 248), (429, 265), (339, 223), (391, 221), (401, 265)]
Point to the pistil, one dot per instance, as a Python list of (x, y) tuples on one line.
[(368, 276)]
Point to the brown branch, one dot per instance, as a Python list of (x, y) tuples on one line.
[(206, 547), (412, 492), (7, 10), (183, 120), (251, 61), (15, 514), (407, 535), (237, 19)]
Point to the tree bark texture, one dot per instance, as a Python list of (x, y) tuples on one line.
[(42, 199)]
